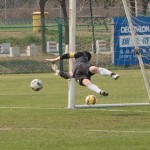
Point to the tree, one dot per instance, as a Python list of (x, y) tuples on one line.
[(145, 4), (132, 5), (65, 16), (42, 9), (107, 3)]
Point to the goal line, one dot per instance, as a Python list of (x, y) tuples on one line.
[(111, 105)]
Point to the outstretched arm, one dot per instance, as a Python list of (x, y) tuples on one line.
[(65, 75), (64, 56), (53, 60)]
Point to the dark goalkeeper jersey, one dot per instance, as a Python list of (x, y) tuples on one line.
[(79, 56), (81, 66)]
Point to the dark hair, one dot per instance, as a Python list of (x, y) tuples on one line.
[(88, 55)]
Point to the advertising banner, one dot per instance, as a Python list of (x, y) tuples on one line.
[(124, 53)]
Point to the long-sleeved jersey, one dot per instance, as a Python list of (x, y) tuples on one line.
[(79, 56)]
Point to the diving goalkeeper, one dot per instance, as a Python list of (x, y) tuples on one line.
[(82, 70)]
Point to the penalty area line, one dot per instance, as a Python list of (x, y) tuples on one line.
[(29, 108), (72, 130), (65, 108)]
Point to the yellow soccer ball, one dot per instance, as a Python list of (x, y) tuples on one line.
[(90, 99)]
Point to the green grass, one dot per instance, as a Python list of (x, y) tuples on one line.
[(40, 121)]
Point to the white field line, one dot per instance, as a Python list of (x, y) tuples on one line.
[(67, 130), (95, 109), (85, 109), (29, 108), (40, 129)]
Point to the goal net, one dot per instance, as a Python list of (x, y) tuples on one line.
[(122, 44)]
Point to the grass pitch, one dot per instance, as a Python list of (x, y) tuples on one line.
[(41, 121)]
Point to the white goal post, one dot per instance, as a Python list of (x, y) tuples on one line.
[(72, 30)]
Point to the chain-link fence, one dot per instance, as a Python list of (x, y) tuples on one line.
[(20, 26), (17, 20), (23, 9)]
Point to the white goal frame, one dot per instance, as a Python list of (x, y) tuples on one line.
[(72, 30)]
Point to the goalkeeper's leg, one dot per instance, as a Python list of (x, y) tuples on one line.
[(92, 87), (103, 72)]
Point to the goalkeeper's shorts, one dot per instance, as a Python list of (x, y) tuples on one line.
[(82, 72)]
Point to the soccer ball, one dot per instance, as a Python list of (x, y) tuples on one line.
[(36, 84), (90, 99)]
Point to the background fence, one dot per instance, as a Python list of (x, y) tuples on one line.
[(17, 26)]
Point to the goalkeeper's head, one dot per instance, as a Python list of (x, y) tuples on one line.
[(88, 55)]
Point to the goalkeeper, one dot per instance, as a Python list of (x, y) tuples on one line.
[(82, 70)]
